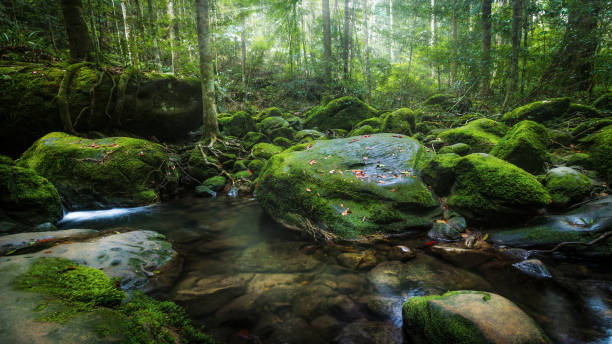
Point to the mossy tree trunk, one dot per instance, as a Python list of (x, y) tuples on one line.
[(210, 129), (62, 98), (78, 35)]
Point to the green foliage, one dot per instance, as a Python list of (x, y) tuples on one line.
[(600, 147)]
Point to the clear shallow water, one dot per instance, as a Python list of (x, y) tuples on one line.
[(251, 281)]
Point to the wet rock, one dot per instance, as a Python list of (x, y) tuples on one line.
[(326, 325), (461, 256), (363, 260), (382, 306), (276, 257), (468, 317), (567, 186), (295, 330), (540, 111), (314, 190), (265, 282), (343, 307), (448, 229), (401, 253), (350, 283), (207, 294), (533, 267), (34, 240), (365, 332)]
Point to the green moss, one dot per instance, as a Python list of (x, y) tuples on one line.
[(282, 142), (539, 111), (488, 188), (112, 171), (579, 159), (448, 102), (252, 138), (583, 111), (590, 126), (440, 172), (426, 127), (239, 165), (567, 186), (5, 160), (238, 125), (308, 135), (364, 130), (269, 112), (200, 169), (437, 326), (401, 121), (265, 150), (271, 123), (256, 165), (28, 197), (600, 148), (374, 122), (481, 134), (341, 113), (284, 132), (525, 145), (458, 148), (604, 102), (216, 183)]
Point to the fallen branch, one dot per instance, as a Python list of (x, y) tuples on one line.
[(566, 243)]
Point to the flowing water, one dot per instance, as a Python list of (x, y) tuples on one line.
[(248, 280)]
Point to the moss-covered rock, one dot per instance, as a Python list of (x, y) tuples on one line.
[(590, 126), (448, 102), (363, 130), (489, 189), (468, 317), (426, 127), (265, 150), (579, 159), (282, 142), (567, 186), (525, 145), (216, 183), (374, 122), (401, 121), (604, 102), (5, 160), (252, 138), (599, 146), (200, 169), (256, 165), (285, 132), (114, 171), (269, 112), (27, 197), (271, 123), (458, 148), (583, 111), (482, 134), (238, 125), (308, 135), (349, 188), (440, 172), (539, 111), (341, 113)]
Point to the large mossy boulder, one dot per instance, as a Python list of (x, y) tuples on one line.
[(440, 172), (599, 145), (341, 113), (448, 102), (27, 197), (488, 189), (268, 125), (400, 121), (238, 125), (566, 186), (200, 169), (469, 317), (269, 112), (109, 172), (540, 111), (482, 134), (265, 150), (308, 135), (349, 188), (525, 145)]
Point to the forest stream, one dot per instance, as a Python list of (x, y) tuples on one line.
[(248, 280)]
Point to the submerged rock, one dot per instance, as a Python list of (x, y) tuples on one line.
[(349, 188), (469, 317), (533, 267), (109, 172), (525, 145), (341, 113), (482, 135), (11, 243)]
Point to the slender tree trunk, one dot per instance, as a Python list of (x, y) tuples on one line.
[(122, 48), (366, 43), (210, 129), (453, 76), (244, 58), (173, 33), (347, 35), (153, 34), (128, 32), (92, 25), (517, 22), (432, 41), (139, 21), (526, 19), (327, 41), (78, 35), (391, 33), (485, 75)]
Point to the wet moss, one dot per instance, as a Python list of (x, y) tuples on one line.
[(256, 165), (282, 142), (269, 112), (482, 134), (525, 145), (440, 172), (341, 113), (458, 148), (238, 125), (604, 102), (567, 186), (600, 148), (401, 121), (579, 159), (374, 122), (539, 111), (590, 126), (216, 183), (265, 150), (272, 123), (364, 130), (583, 111), (200, 169), (252, 138), (307, 135)]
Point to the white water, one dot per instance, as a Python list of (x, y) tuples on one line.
[(115, 213)]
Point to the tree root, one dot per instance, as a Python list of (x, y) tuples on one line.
[(221, 170), (567, 243), (62, 97)]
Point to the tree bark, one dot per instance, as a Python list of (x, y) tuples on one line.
[(526, 19), (485, 75), (366, 43), (244, 58), (128, 32), (153, 34), (327, 55), (453, 76), (78, 35), (517, 21), (210, 129), (173, 33), (347, 37)]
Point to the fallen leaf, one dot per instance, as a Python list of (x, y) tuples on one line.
[(429, 243), (344, 213), (308, 189), (381, 182), (312, 162), (363, 219), (308, 147), (332, 171), (365, 158), (485, 237), (341, 205), (243, 333), (392, 190), (141, 153), (304, 282)]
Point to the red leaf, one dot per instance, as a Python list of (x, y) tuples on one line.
[(430, 243), (312, 162)]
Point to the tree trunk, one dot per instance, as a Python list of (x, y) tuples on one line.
[(485, 75), (92, 26), (244, 58), (128, 33), (526, 19), (366, 43), (453, 76), (347, 37), (327, 41), (122, 48), (432, 41), (139, 21), (78, 35), (517, 21), (153, 34), (173, 36), (210, 129)]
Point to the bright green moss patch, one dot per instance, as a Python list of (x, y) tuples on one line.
[(440, 172), (488, 188), (525, 145), (282, 142), (265, 150), (271, 123), (481, 134), (539, 111), (458, 148), (600, 148), (374, 122), (401, 121), (566, 186), (216, 183), (364, 130), (341, 113), (113, 171), (238, 125)]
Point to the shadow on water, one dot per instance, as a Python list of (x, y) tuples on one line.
[(251, 281)]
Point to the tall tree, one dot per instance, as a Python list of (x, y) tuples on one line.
[(210, 129), (153, 35), (485, 75), (366, 43), (347, 39), (517, 22), (327, 59), (129, 39), (174, 36), (78, 35), (455, 43)]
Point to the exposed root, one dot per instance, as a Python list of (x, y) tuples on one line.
[(567, 243), (62, 97)]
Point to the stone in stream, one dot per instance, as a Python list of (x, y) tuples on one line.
[(276, 257), (103, 173), (469, 317), (533, 267), (349, 189), (358, 260), (567, 186), (19, 241)]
